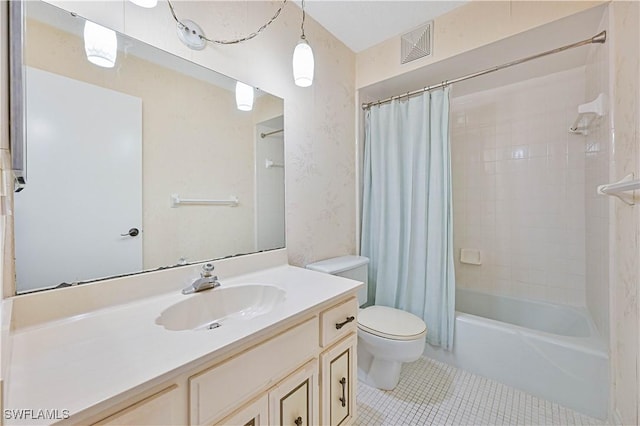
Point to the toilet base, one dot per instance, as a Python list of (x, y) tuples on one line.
[(382, 374), (380, 359)]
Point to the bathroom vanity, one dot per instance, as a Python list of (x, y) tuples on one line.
[(285, 360)]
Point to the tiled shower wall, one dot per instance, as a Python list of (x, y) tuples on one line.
[(519, 188)]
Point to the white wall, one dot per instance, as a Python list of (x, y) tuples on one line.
[(518, 188), (625, 267)]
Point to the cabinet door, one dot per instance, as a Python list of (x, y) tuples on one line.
[(338, 366), (294, 402), (253, 414)]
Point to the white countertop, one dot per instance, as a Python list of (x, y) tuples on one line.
[(75, 363)]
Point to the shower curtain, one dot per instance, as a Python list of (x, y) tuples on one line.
[(407, 222)]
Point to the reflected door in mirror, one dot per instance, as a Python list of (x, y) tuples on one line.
[(85, 183)]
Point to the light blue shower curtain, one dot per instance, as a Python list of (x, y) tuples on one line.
[(407, 221)]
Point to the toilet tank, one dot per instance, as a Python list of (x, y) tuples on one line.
[(352, 267)]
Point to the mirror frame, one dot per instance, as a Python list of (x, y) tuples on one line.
[(18, 140), (17, 120)]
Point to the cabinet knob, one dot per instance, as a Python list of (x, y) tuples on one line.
[(343, 400), (298, 421), (343, 323)]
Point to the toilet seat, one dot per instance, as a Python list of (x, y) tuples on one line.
[(391, 323)]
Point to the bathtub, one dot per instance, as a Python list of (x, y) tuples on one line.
[(550, 351)]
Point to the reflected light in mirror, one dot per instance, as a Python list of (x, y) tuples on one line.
[(145, 3), (244, 96), (100, 45)]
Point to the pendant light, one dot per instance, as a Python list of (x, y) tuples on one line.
[(244, 96), (100, 45), (303, 59)]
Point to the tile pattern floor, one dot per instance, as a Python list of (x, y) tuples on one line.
[(433, 393)]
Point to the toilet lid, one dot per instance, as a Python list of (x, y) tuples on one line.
[(391, 323)]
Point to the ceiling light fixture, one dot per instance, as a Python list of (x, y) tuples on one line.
[(100, 45), (193, 37), (244, 96), (145, 3), (303, 64)]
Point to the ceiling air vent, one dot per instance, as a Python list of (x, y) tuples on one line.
[(417, 44)]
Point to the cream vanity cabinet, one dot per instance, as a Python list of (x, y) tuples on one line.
[(304, 375)]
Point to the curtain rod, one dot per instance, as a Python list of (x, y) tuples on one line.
[(598, 38), (264, 135)]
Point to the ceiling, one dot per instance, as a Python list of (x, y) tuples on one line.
[(361, 24)]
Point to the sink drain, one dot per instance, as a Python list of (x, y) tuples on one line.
[(213, 325)]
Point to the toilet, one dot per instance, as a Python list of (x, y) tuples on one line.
[(387, 337)]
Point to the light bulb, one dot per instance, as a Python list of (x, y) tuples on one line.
[(145, 3), (303, 64), (244, 96), (100, 44)]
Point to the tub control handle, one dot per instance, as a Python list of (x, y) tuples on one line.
[(343, 400), (343, 323), (298, 421)]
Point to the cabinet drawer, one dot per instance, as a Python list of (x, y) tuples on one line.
[(338, 321), (338, 366), (161, 408), (219, 390)]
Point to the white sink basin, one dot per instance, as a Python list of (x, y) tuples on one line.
[(210, 309)]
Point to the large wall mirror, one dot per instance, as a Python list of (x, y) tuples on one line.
[(144, 164)]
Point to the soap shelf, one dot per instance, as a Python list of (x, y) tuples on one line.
[(587, 114), (470, 256), (619, 189)]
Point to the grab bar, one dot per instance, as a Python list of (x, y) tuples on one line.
[(269, 164)]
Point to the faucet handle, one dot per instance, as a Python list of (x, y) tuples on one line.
[(207, 268)]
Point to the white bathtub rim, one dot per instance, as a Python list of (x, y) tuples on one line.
[(583, 311), (592, 345)]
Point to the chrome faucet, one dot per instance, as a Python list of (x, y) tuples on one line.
[(205, 282)]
